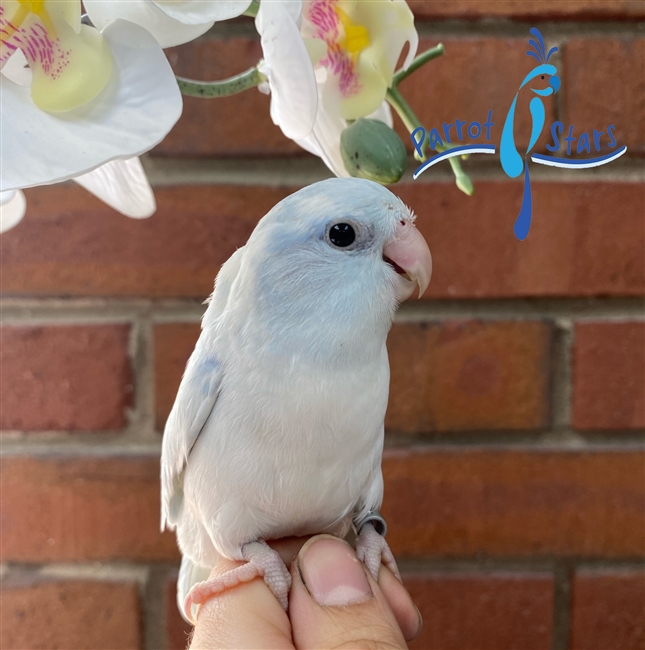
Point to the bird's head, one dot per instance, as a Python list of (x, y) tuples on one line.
[(344, 248), (544, 78)]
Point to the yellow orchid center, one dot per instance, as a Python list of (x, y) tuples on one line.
[(358, 42), (356, 37), (70, 62)]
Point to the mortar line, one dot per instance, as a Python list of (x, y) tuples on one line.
[(44, 311), (562, 605), (561, 374), (600, 566), (153, 599), (595, 25), (503, 27), (109, 571), (539, 442), (509, 563), (141, 420), (138, 570), (297, 171)]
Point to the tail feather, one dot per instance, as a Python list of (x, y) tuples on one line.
[(189, 574), (523, 221)]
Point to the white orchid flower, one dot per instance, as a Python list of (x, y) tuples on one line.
[(86, 106), (353, 47), (123, 185), (171, 22), (12, 209)]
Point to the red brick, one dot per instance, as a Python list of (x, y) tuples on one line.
[(517, 502), (174, 343), (471, 611), (450, 376), (609, 375), (237, 125), (66, 508), (489, 73), (608, 610), (177, 630), (468, 375), (64, 377), (70, 244), (539, 9), (586, 239), (619, 67), (69, 614)]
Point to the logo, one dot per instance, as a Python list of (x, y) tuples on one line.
[(542, 81)]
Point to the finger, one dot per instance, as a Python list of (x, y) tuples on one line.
[(407, 614), (405, 611), (247, 616), (334, 603)]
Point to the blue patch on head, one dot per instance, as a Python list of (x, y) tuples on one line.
[(305, 215)]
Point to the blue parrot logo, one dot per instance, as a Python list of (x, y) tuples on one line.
[(512, 162), (543, 81)]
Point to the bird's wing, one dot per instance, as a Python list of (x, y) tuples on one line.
[(195, 400), (538, 116)]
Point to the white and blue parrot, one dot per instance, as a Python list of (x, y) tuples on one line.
[(277, 429)]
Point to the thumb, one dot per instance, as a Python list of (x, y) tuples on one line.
[(335, 604)]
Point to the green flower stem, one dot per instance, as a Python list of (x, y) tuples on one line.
[(252, 11), (208, 89), (411, 121), (398, 103), (419, 61)]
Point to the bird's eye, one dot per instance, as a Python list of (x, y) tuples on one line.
[(542, 77), (342, 235)]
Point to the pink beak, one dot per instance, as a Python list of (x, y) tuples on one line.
[(410, 256)]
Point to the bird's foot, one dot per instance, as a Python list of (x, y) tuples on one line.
[(372, 550), (262, 562)]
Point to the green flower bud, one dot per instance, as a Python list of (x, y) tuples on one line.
[(372, 150)]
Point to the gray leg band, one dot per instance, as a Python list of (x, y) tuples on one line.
[(375, 518)]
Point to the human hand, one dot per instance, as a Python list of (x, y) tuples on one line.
[(334, 603)]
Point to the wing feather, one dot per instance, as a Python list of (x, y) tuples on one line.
[(195, 400)]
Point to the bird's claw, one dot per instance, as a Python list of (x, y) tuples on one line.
[(372, 550), (262, 562)]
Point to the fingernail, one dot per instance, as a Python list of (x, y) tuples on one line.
[(332, 573), (420, 620)]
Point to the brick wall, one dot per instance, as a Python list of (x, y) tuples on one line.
[(515, 465)]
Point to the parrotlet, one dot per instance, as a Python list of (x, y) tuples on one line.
[(277, 428)]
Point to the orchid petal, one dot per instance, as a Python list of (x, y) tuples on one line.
[(383, 113), (71, 63), (123, 185), (12, 209), (17, 69), (365, 40), (294, 7), (196, 12), (390, 29), (294, 96), (324, 139), (138, 108), (168, 31)]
